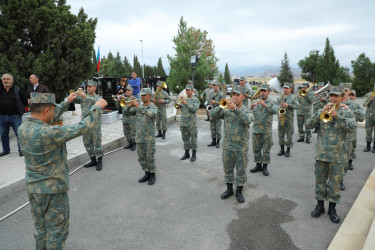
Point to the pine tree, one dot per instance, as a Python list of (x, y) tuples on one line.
[(364, 74), (160, 69), (137, 66), (127, 67), (286, 74), (227, 78), (116, 69), (328, 65), (308, 66)]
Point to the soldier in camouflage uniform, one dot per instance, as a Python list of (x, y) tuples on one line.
[(188, 124), (248, 92), (207, 92), (161, 101), (128, 119), (215, 125), (264, 108), (223, 88), (359, 116), (369, 103), (237, 120), (93, 139), (145, 137), (194, 89), (289, 103), (304, 112), (331, 152), (321, 104), (47, 171)]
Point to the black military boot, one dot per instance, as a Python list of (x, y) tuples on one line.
[(239, 195), (282, 151), (301, 140), (350, 165), (186, 155), (332, 213), (342, 186), (145, 178), (265, 171), (368, 147), (159, 134), (152, 179), (287, 153), (373, 148), (100, 164), (257, 168), (218, 143), (319, 209), (130, 145), (163, 135), (193, 156), (91, 163), (229, 192), (307, 140), (315, 130), (213, 143), (134, 146)]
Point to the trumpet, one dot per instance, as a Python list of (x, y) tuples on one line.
[(123, 103), (303, 93), (75, 92), (178, 104), (326, 116)]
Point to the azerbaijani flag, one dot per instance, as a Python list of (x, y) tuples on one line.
[(98, 60)]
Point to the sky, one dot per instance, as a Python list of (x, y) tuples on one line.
[(245, 33)]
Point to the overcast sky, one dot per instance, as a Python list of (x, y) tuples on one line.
[(245, 33)]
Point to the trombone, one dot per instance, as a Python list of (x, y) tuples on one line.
[(326, 116)]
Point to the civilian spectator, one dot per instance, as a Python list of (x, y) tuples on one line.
[(135, 83), (35, 87)]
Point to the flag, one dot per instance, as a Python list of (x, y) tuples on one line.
[(98, 60)]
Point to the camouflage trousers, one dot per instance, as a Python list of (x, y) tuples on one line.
[(161, 119), (370, 126), (301, 120), (215, 127), (51, 217), (352, 155), (189, 137), (262, 142), (146, 156), (129, 131), (92, 141), (350, 147), (286, 130), (235, 159), (328, 171)]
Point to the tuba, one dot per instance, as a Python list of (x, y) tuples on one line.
[(183, 94), (162, 86), (322, 93)]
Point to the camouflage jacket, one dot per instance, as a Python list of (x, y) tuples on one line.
[(217, 97), (263, 116), (293, 105), (320, 104), (250, 94), (305, 104), (127, 117), (188, 112), (44, 148), (86, 103), (236, 127), (356, 109), (206, 93), (162, 95), (145, 123), (332, 141), (370, 110)]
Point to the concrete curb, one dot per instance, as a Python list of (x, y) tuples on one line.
[(20, 186)]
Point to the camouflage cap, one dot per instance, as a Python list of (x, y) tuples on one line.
[(210, 82), (243, 78), (238, 90), (305, 84), (189, 86), (287, 85), (337, 90), (129, 88), (215, 83), (146, 91), (264, 87), (320, 84), (190, 81), (92, 83), (44, 98), (352, 92), (347, 85)]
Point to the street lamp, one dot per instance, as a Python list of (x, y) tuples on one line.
[(193, 62), (143, 66)]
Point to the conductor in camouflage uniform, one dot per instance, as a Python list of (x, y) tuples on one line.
[(188, 124), (161, 101), (47, 170), (215, 125), (286, 121), (128, 119), (237, 120), (145, 137), (264, 108), (207, 92), (369, 103), (319, 105), (93, 139), (304, 112), (331, 153)]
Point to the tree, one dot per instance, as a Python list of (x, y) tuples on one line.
[(286, 74), (328, 65), (116, 68), (227, 78), (160, 69), (308, 66), (342, 75), (127, 67), (105, 64), (137, 66), (188, 42), (43, 37), (364, 74)]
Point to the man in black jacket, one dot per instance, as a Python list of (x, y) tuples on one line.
[(12, 107), (35, 86)]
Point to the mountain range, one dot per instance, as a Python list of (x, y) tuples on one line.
[(260, 71)]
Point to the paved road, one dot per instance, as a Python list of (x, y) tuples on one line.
[(183, 210)]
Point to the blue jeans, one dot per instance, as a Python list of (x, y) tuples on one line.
[(5, 122)]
